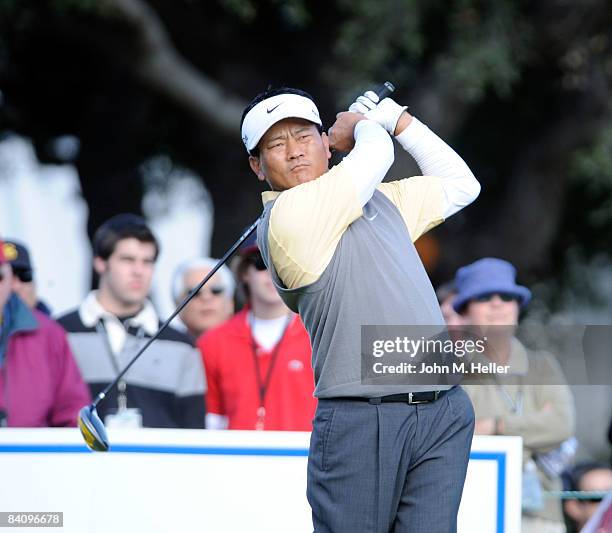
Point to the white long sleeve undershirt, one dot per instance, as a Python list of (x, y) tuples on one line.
[(436, 158), (372, 157)]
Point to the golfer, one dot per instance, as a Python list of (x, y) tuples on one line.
[(339, 245)]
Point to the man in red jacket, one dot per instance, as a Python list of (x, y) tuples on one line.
[(258, 362), (40, 384)]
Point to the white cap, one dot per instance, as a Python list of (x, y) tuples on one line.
[(271, 110)]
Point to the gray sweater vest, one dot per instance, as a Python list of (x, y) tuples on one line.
[(375, 277)]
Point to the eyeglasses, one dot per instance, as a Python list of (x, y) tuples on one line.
[(257, 261), (25, 275), (216, 290), (594, 499), (503, 296)]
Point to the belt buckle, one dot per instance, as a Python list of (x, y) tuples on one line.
[(415, 402)]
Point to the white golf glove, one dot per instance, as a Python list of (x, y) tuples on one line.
[(386, 113)]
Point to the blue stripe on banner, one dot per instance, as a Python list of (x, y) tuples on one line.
[(141, 448), (499, 458)]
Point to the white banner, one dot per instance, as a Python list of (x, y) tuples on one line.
[(168, 481)]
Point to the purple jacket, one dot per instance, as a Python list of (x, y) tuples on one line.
[(40, 383)]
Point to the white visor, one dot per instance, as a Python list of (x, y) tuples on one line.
[(269, 111)]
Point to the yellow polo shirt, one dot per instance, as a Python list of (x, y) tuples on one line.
[(307, 221)]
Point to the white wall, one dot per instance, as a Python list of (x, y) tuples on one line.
[(42, 206)]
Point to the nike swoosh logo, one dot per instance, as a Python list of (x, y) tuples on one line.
[(272, 109)]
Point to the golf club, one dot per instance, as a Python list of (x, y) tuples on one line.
[(385, 90), (91, 426)]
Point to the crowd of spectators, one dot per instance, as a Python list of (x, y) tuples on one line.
[(250, 369), (216, 369)]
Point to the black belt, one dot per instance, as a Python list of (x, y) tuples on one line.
[(410, 398)]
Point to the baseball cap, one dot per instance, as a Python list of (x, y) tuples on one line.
[(272, 110), (17, 255)]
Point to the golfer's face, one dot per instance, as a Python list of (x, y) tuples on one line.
[(291, 152)]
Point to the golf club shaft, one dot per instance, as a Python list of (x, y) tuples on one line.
[(385, 90), (187, 299)]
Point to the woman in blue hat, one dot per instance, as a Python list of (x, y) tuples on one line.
[(517, 403)]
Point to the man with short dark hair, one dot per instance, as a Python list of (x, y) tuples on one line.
[(166, 387), (339, 246), (40, 384)]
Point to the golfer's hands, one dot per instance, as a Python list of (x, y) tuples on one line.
[(342, 132), (387, 112)]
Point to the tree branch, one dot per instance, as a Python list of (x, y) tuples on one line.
[(158, 63)]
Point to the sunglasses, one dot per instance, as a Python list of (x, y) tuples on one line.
[(503, 296), (25, 275), (215, 290), (258, 262), (594, 499)]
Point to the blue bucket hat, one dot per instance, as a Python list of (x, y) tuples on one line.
[(486, 276)]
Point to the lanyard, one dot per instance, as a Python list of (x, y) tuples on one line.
[(122, 385), (262, 385), (516, 406)]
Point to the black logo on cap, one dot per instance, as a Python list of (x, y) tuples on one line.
[(273, 108)]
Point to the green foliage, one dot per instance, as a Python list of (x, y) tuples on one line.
[(8, 6), (376, 39), (592, 171), (475, 45), (293, 11), (76, 5), (245, 10), (488, 45)]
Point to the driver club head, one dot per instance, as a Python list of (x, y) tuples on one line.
[(93, 429)]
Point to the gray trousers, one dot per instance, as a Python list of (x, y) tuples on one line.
[(391, 467)]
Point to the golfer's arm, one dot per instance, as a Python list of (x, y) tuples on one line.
[(370, 159), (447, 184), (308, 221)]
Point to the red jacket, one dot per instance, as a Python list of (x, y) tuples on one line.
[(40, 383), (232, 380)]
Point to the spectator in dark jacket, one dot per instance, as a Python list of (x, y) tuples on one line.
[(40, 384), (166, 387)]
